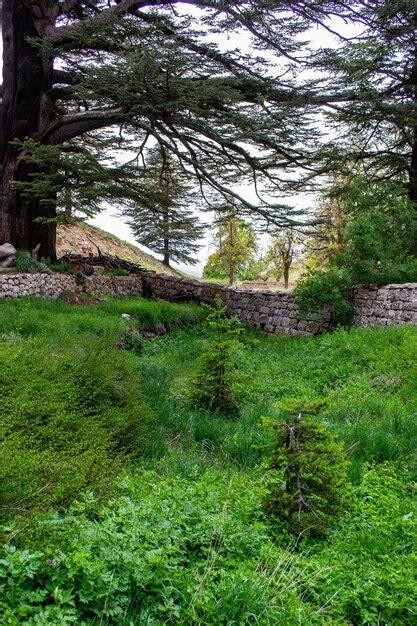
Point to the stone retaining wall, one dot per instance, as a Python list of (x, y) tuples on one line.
[(114, 285), (46, 285), (393, 304), (273, 312)]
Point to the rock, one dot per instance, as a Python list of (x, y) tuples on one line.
[(7, 255)]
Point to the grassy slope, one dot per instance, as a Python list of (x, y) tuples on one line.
[(185, 542), (80, 239)]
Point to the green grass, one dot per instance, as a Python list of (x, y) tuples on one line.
[(124, 503), (73, 412)]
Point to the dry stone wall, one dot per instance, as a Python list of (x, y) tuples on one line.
[(393, 304), (46, 285), (273, 312), (114, 285)]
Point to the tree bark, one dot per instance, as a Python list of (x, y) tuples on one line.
[(286, 275), (26, 111), (166, 253)]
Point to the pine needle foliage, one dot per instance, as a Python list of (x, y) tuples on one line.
[(215, 384), (311, 470), (160, 218)]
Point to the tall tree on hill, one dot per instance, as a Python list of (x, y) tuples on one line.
[(160, 219), (74, 66)]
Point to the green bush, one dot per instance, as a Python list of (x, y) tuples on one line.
[(323, 289), (25, 264), (376, 249), (69, 421)]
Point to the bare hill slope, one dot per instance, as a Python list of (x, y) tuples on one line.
[(82, 238)]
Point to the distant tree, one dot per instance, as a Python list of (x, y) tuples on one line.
[(159, 218), (327, 237), (281, 254), (236, 246)]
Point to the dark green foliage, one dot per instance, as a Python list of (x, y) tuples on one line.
[(214, 385), (377, 64), (376, 248), (319, 290), (310, 486), (72, 411), (62, 267), (26, 264)]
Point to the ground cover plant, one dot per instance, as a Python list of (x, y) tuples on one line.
[(170, 527)]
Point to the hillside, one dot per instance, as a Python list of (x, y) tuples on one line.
[(82, 238)]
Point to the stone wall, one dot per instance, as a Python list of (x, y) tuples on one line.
[(271, 311), (46, 285), (114, 285), (393, 304)]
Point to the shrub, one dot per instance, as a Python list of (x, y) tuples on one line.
[(376, 249), (214, 385), (326, 288), (311, 484), (70, 419), (26, 264)]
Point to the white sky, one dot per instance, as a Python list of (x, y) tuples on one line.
[(111, 221)]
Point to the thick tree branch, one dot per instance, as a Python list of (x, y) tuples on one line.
[(63, 77), (74, 124)]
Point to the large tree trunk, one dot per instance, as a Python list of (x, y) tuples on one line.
[(26, 111)]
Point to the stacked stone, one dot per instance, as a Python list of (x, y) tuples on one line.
[(114, 285), (392, 304), (273, 312), (46, 285)]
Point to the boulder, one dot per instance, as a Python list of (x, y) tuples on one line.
[(7, 255)]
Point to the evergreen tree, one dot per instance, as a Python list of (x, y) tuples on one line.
[(159, 220), (74, 66), (379, 66), (311, 483), (236, 247)]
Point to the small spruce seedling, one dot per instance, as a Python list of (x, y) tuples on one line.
[(214, 385), (310, 483)]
